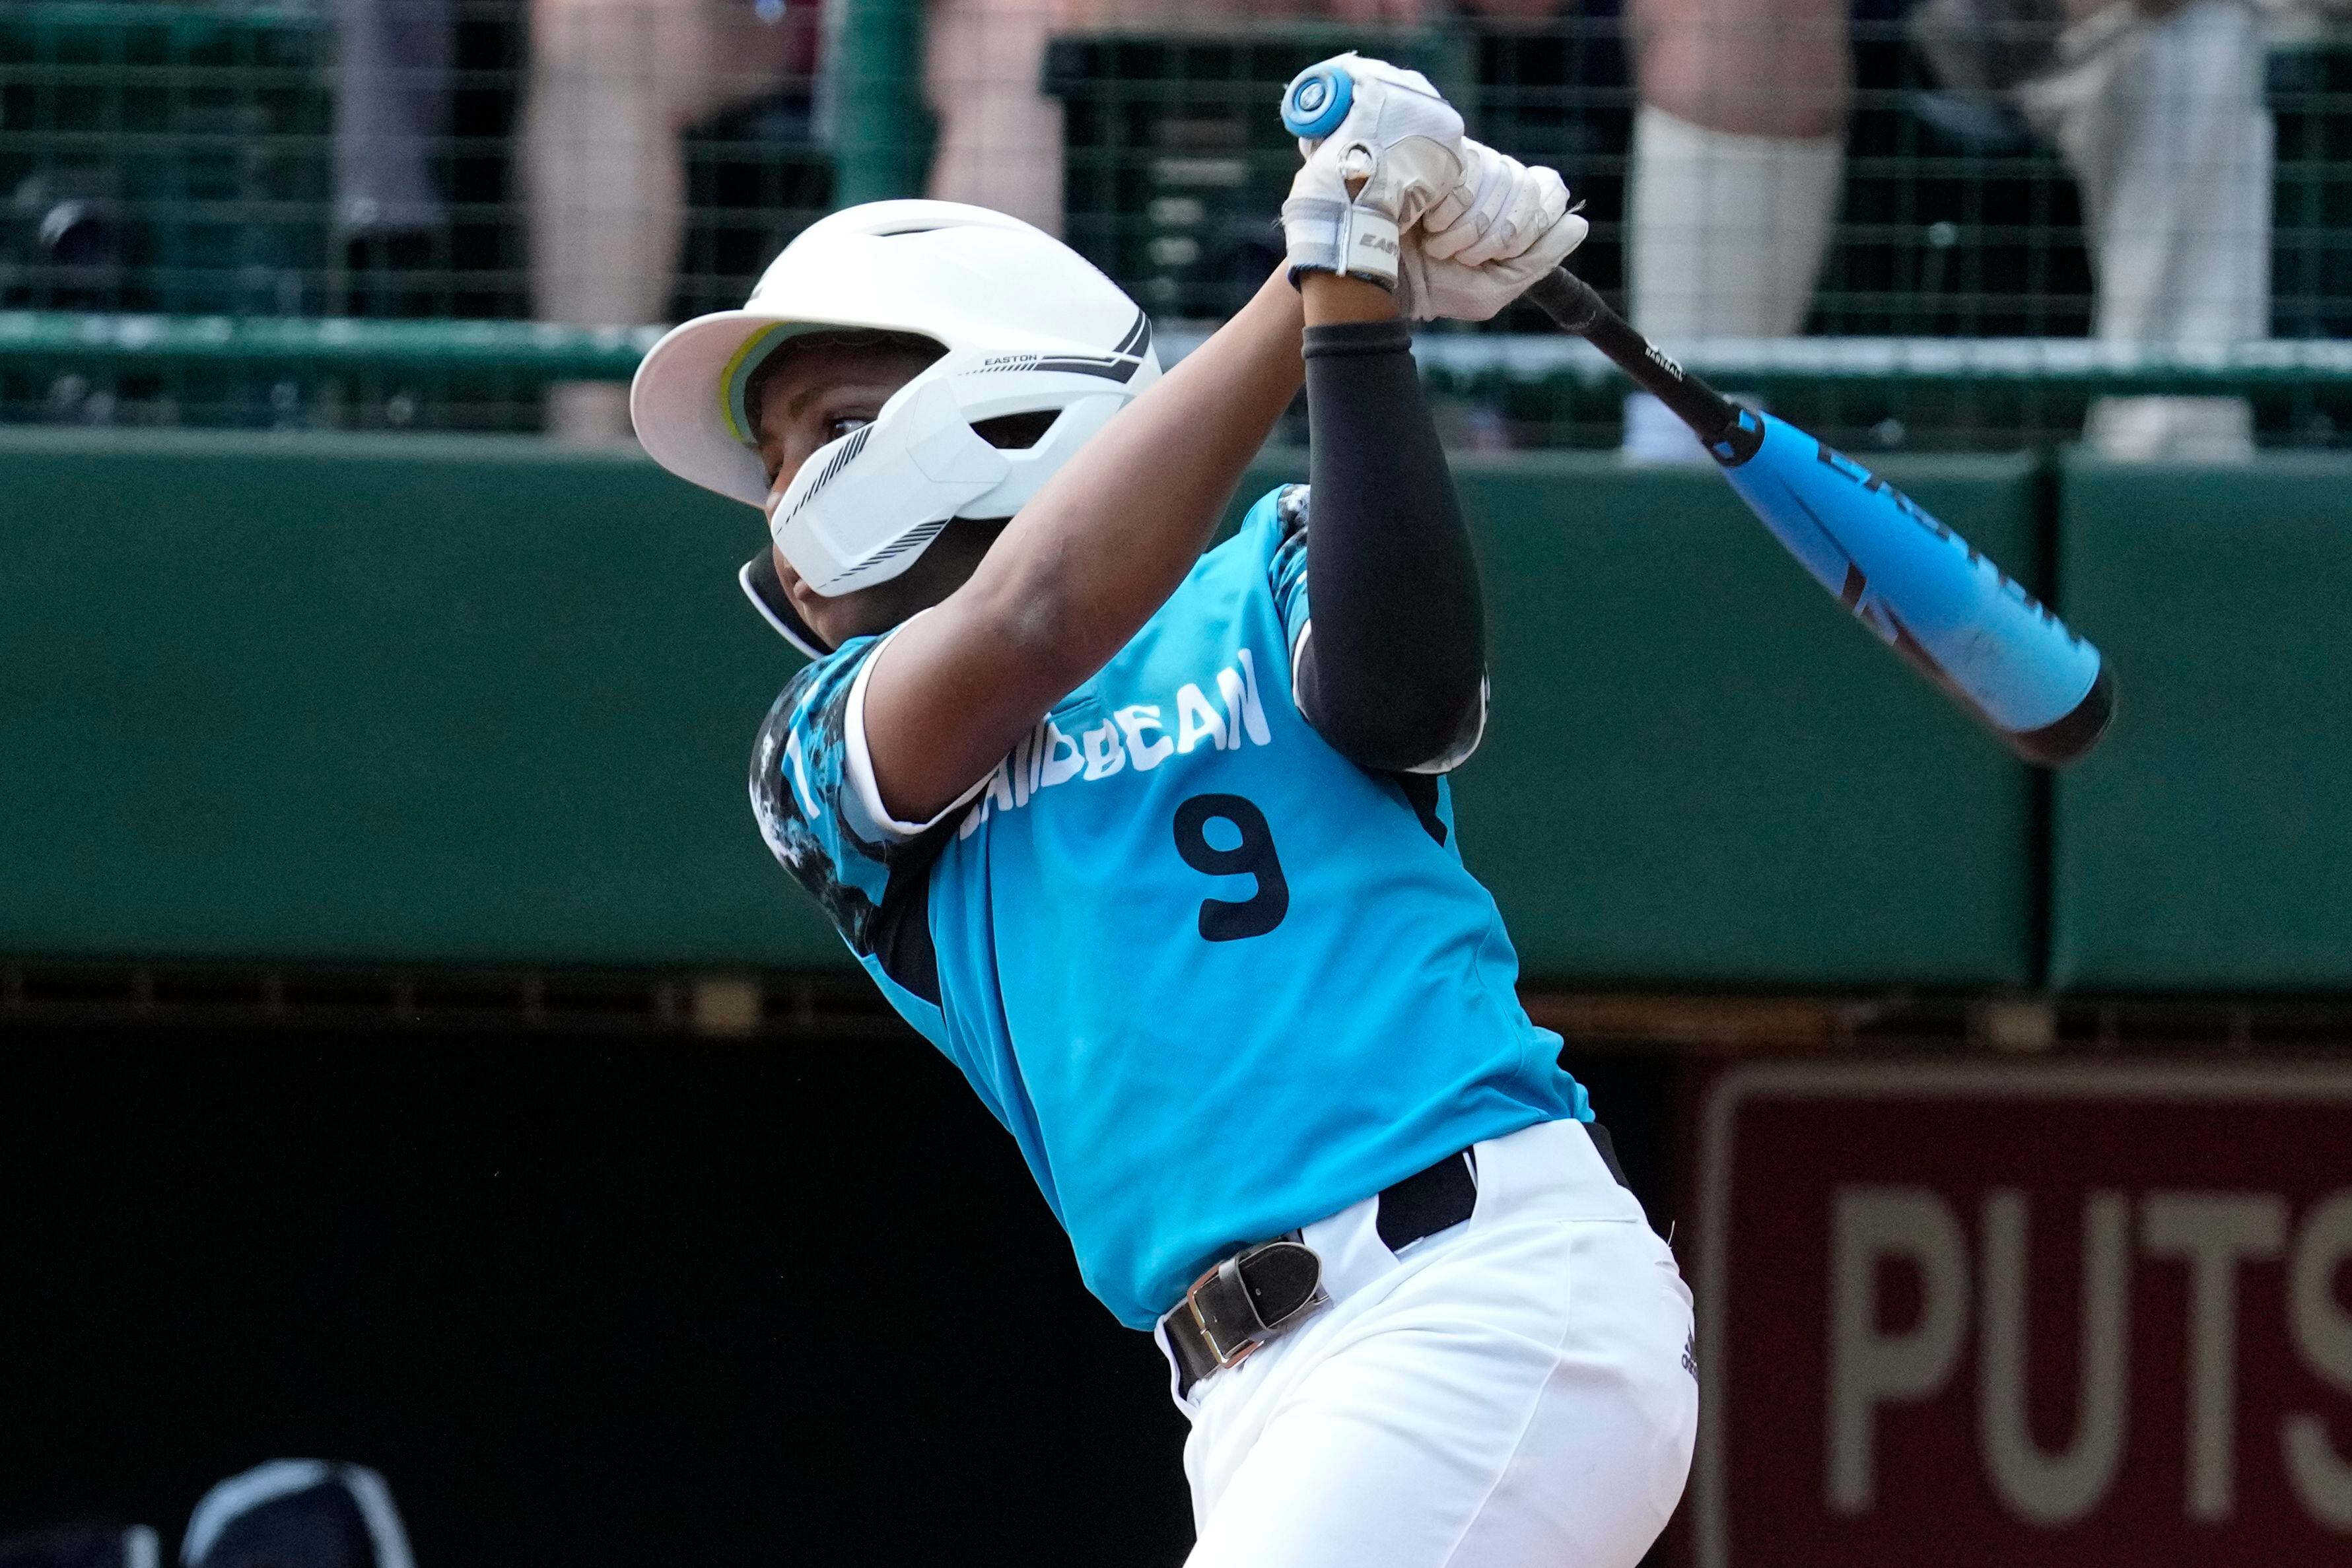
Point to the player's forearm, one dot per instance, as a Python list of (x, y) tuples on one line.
[(1084, 565), (1102, 546), (1392, 671)]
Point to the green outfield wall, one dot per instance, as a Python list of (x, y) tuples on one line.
[(424, 700), (2209, 844), (1699, 770), (381, 699)]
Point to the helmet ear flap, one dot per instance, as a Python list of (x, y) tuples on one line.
[(862, 508), (1017, 432), (940, 438)]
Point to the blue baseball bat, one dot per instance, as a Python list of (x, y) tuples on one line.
[(1917, 586)]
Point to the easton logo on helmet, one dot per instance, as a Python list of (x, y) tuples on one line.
[(1120, 365)]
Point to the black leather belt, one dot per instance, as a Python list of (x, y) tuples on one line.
[(1262, 1291)]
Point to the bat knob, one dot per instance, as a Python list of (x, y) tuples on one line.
[(1316, 101)]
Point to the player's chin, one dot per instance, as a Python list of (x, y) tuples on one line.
[(804, 599)]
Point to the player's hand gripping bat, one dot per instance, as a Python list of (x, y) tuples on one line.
[(1960, 619)]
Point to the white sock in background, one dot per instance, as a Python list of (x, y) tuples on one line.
[(1725, 233), (589, 414), (2166, 132), (1725, 236)]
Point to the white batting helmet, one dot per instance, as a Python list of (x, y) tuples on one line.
[(1026, 324)]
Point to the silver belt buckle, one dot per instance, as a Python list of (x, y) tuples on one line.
[(1230, 1273)]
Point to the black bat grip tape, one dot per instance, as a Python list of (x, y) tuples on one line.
[(1574, 306)]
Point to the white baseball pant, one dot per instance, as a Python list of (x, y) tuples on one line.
[(1517, 1391)]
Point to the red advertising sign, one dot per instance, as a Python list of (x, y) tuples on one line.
[(2025, 1315)]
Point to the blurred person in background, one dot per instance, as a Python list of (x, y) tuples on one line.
[(615, 84), (612, 87), (394, 62), (1000, 141), (2157, 105)]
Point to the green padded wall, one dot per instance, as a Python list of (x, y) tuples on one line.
[(406, 700), (1699, 770), (2208, 843), (398, 698)]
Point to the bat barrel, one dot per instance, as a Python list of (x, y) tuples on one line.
[(1943, 605), (2070, 739)]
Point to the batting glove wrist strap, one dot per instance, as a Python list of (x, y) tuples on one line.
[(1322, 235)]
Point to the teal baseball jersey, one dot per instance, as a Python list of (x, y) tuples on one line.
[(1216, 980)]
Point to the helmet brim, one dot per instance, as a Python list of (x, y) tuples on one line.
[(676, 401), (679, 400)]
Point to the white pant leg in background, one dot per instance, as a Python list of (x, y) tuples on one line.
[(2167, 134), (1516, 1391), (1725, 236)]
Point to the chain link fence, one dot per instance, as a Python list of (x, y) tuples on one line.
[(278, 178)]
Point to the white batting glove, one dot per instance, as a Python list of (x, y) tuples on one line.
[(1502, 207), (1514, 228), (1397, 156)]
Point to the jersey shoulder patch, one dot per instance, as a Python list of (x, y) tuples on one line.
[(1290, 508), (873, 887), (1285, 571)]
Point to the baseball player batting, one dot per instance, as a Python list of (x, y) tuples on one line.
[(1156, 844)]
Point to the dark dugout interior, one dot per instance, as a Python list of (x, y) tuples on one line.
[(584, 1298)]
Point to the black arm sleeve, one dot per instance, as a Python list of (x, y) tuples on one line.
[(1394, 666)]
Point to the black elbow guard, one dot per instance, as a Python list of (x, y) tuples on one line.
[(1409, 728), (1392, 672)]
